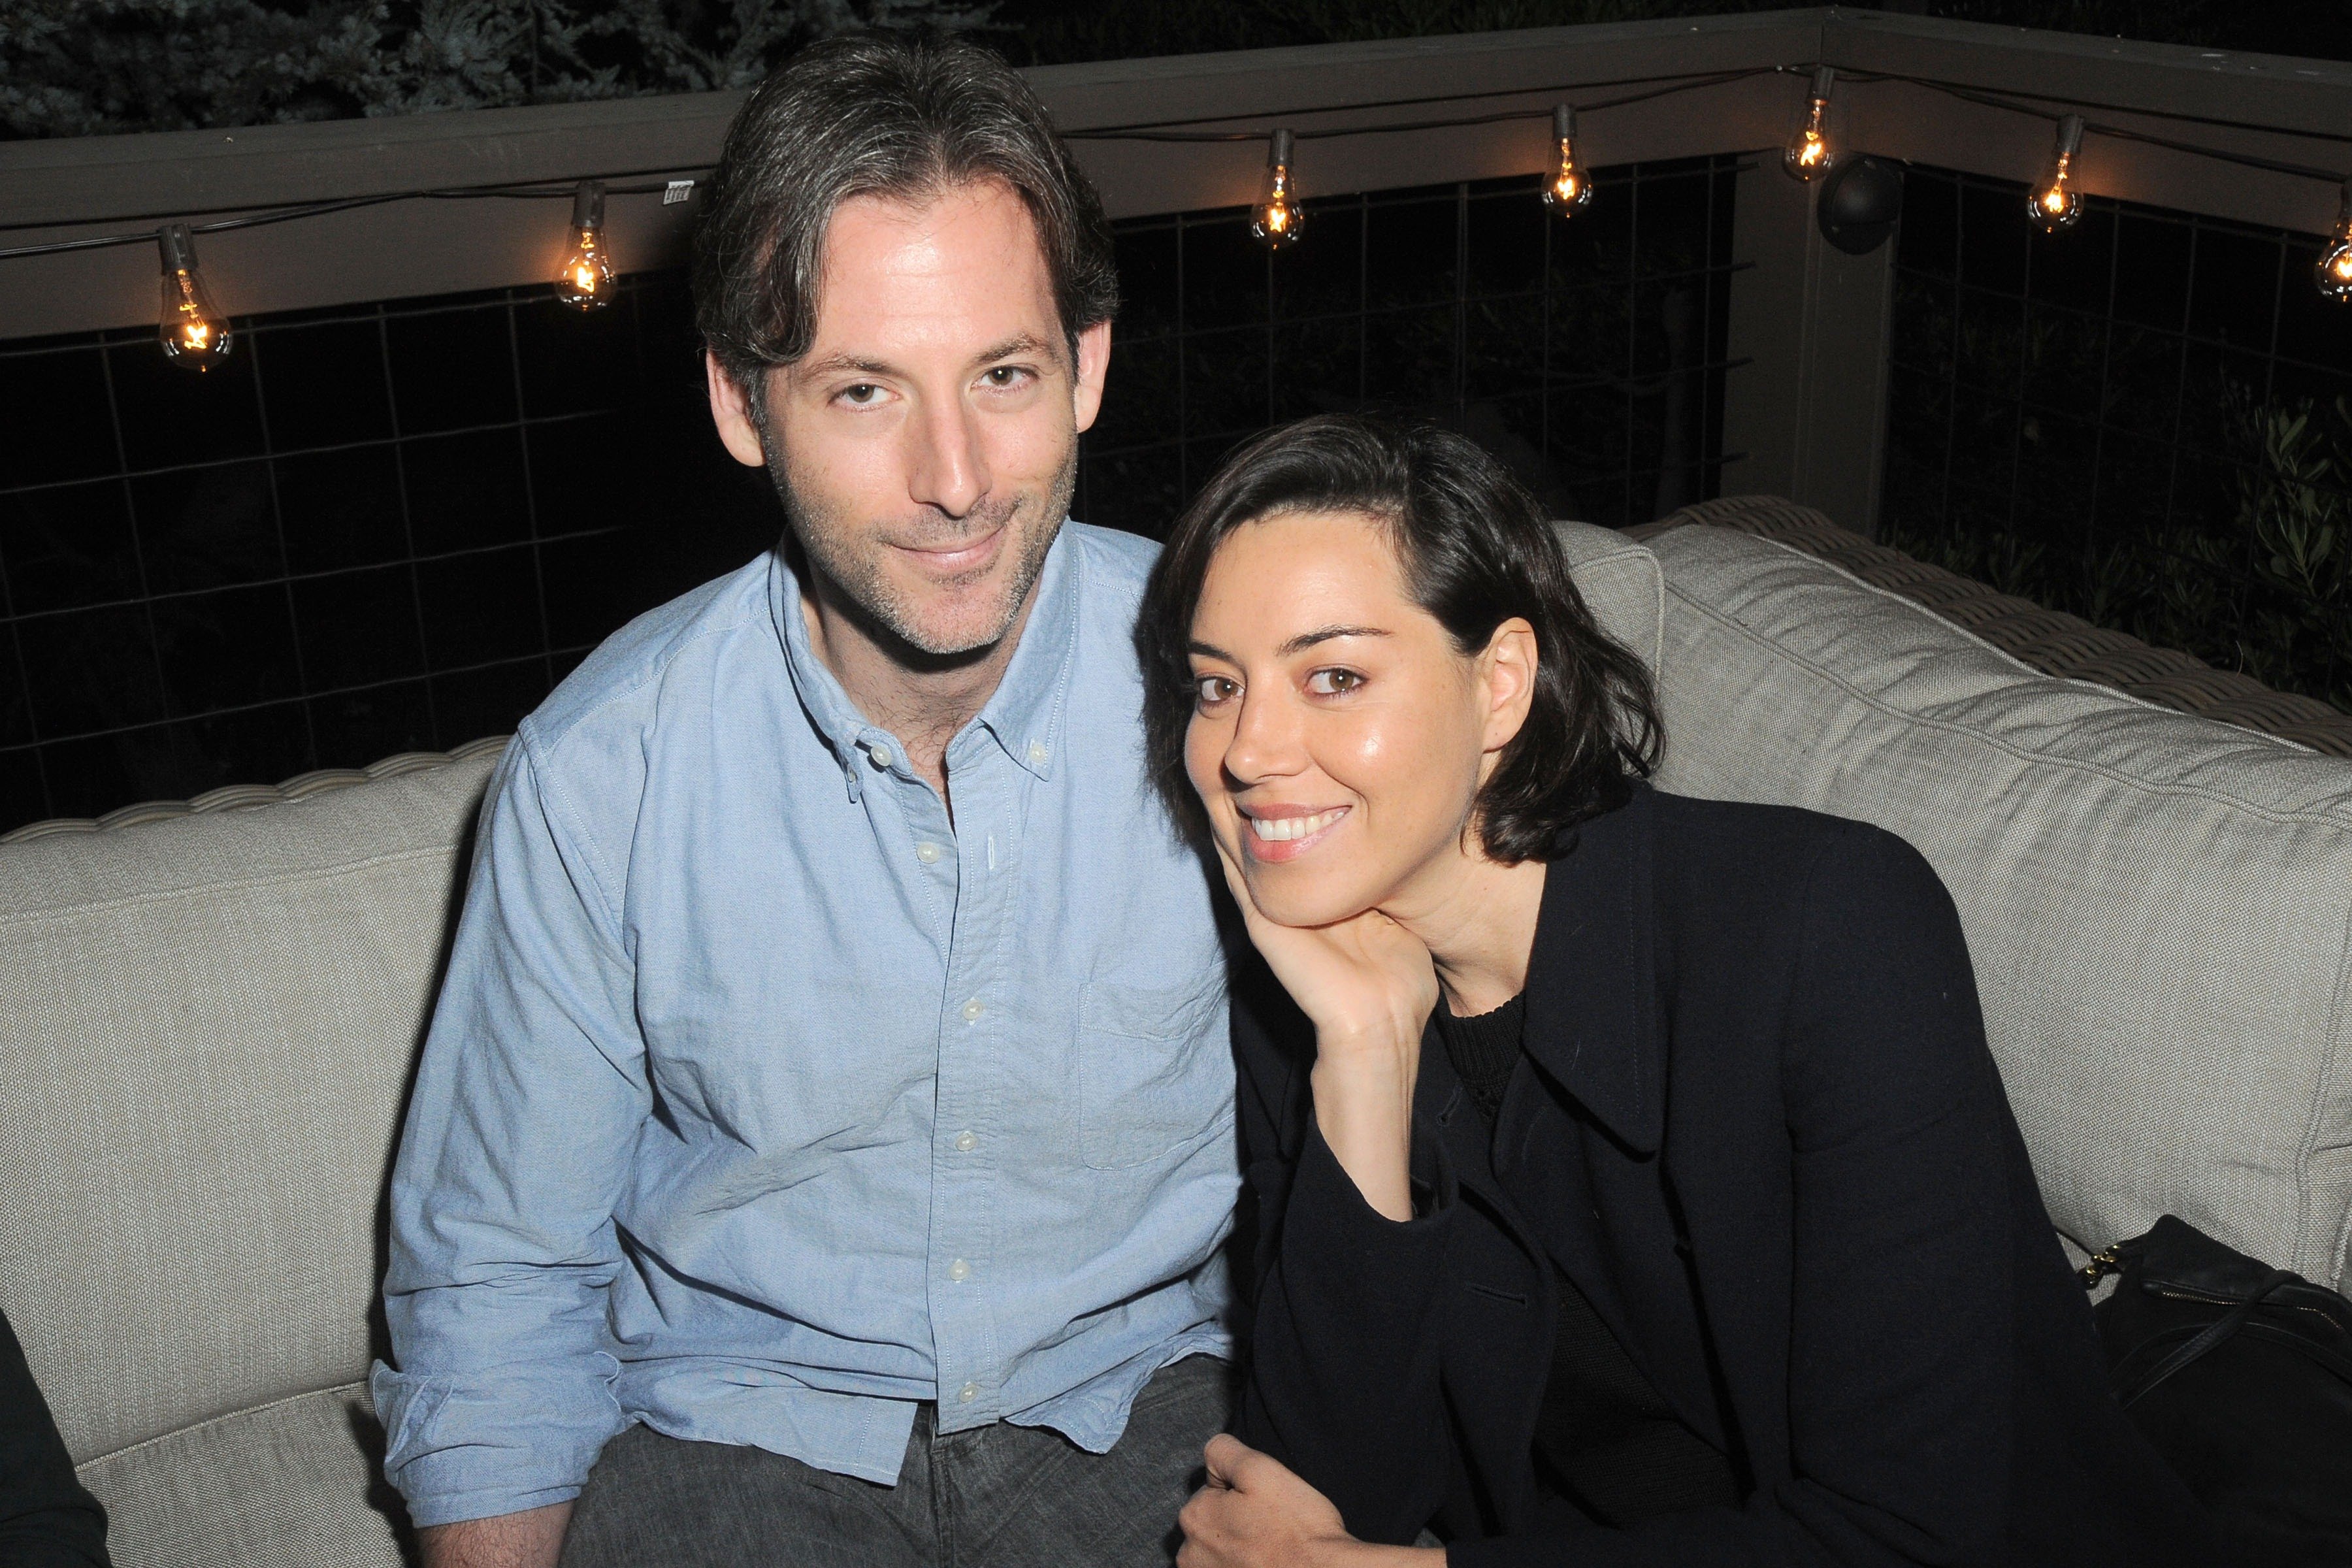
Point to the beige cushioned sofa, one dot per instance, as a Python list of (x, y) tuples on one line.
[(211, 1014)]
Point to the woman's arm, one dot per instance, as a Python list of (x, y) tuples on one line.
[(1342, 1383)]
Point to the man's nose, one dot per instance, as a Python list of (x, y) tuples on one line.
[(947, 468)]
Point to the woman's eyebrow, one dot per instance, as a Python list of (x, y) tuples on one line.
[(1305, 640)]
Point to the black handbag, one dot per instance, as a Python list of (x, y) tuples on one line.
[(2241, 1375)]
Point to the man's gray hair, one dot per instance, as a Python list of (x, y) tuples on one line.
[(876, 115)]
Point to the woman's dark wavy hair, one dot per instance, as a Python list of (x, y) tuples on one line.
[(1474, 551)]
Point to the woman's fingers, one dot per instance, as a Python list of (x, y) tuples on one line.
[(1224, 1455)]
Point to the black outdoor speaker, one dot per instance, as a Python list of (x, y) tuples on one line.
[(1860, 201)]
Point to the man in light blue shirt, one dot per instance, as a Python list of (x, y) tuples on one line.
[(823, 1149)]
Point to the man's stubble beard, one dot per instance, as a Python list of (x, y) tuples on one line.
[(823, 533)]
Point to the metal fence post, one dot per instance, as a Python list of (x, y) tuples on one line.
[(1809, 409)]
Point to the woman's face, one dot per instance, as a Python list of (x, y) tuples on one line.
[(1338, 738)]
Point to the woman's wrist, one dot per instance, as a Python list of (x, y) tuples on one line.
[(1363, 1107)]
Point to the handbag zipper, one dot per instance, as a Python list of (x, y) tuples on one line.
[(2207, 1299)]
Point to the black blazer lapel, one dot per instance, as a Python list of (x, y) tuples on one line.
[(1588, 1173)]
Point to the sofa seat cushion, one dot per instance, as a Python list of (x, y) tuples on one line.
[(298, 1481), (2158, 906)]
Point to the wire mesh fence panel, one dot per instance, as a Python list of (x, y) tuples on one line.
[(2145, 420), (396, 526)]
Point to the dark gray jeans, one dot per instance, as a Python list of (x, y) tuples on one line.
[(996, 1497)]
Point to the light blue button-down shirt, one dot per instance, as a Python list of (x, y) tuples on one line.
[(762, 1101)]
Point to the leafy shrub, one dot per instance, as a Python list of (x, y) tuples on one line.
[(2262, 583), (82, 67)]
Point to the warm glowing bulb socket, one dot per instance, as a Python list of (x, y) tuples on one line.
[(585, 279), (2334, 271), (1807, 156), (1570, 189), (1277, 217), (2054, 203), (193, 333)]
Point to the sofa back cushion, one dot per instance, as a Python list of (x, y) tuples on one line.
[(1621, 584), (210, 1026), (2159, 906)]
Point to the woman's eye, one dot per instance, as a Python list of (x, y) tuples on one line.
[(1333, 682), (1211, 689)]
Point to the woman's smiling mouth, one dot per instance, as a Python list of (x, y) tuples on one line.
[(1284, 832)]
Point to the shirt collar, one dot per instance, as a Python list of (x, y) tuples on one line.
[(1024, 715)]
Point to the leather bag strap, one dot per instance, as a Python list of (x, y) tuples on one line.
[(2214, 1332)]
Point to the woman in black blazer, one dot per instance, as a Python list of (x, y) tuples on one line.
[(1632, 1183)]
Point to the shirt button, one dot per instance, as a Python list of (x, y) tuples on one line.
[(966, 1142), (959, 1271), (928, 854), (1037, 753), (972, 1010), (968, 1393), (881, 755)]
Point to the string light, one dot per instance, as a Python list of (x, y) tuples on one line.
[(585, 282), (2335, 268), (1569, 190), (1277, 219), (194, 333), (1807, 156), (2055, 204)]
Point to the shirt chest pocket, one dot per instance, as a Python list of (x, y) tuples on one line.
[(1155, 1072)]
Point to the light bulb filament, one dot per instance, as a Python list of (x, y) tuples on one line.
[(1807, 156), (192, 332), (583, 280), (2055, 204), (1570, 189), (2334, 269), (1277, 218)]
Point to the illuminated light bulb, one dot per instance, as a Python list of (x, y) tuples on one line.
[(2335, 268), (1277, 218), (1570, 189), (1807, 156), (194, 333), (2055, 204), (586, 281)]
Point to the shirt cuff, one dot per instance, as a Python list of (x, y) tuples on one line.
[(477, 1450)]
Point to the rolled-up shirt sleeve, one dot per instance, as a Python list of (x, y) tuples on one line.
[(527, 1103)]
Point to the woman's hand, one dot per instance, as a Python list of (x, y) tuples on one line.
[(1365, 984), (1254, 1513), (1368, 985)]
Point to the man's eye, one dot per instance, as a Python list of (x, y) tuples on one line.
[(1005, 375), (1211, 689), (1333, 682), (861, 395)]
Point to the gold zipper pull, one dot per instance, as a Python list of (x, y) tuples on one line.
[(2102, 1264)]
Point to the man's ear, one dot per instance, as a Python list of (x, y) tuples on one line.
[(731, 412), (1509, 666), (1094, 365)]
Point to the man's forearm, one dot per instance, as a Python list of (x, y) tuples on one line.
[(531, 1539)]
